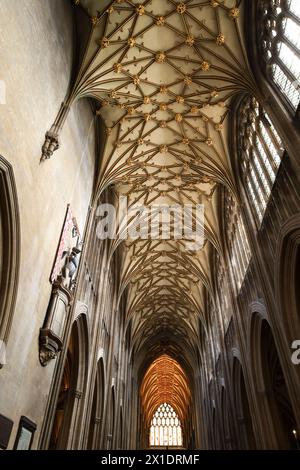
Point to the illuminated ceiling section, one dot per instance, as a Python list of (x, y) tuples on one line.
[(164, 73), (165, 382)]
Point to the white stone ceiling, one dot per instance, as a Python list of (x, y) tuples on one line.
[(164, 73)]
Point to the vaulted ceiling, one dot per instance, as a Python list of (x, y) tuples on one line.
[(165, 382), (164, 74)]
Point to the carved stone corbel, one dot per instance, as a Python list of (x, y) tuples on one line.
[(51, 143)]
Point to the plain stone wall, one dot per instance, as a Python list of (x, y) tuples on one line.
[(36, 40)]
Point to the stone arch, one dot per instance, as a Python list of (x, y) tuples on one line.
[(9, 251), (66, 428), (287, 277), (278, 413), (97, 407)]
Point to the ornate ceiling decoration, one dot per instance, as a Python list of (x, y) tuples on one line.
[(164, 73), (165, 382)]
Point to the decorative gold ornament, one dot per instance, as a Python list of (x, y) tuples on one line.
[(160, 57), (163, 89), (209, 141), (140, 141), (205, 119), (214, 93), (162, 124), (185, 141), (163, 148), (113, 94), (163, 106), (189, 40), (147, 117), (234, 13), (205, 66), (136, 79), (220, 40), (194, 110), (140, 10), (181, 8), (214, 3), (178, 117), (131, 42), (147, 100), (130, 110), (187, 80), (108, 130), (110, 10), (104, 43), (219, 127), (117, 68), (76, 2), (180, 99), (160, 21)]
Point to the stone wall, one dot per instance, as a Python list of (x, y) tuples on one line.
[(36, 48)]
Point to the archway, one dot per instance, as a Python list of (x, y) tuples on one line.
[(9, 252), (244, 420), (97, 408), (67, 411), (287, 277), (66, 395), (284, 421), (165, 390)]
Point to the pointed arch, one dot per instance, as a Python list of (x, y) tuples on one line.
[(9, 249)]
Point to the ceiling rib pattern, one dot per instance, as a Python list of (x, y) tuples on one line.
[(165, 382), (164, 73)]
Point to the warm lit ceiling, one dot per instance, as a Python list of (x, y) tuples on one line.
[(165, 382), (164, 74)]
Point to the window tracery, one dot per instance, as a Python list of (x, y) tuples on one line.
[(238, 244), (279, 40), (260, 154), (165, 430)]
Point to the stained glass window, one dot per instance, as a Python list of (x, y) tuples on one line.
[(165, 430), (261, 151), (279, 40), (238, 244)]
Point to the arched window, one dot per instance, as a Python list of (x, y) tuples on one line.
[(238, 245), (260, 153), (165, 430), (279, 41)]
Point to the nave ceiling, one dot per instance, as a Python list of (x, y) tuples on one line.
[(164, 74)]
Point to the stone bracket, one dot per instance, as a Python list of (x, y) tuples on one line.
[(50, 345)]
